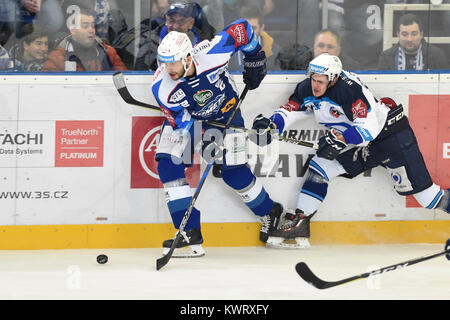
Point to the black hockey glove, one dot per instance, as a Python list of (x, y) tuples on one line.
[(330, 146), (262, 126), (254, 70)]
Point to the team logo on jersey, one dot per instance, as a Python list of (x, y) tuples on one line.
[(202, 97), (359, 109), (177, 96), (211, 109), (335, 112)]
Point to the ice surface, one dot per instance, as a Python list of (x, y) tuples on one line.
[(240, 273)]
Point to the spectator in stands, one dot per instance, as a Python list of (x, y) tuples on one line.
[(30, 53), (412, 52), (109, 20), (325, 40), (329, 41), (5, 63), (182, 17), (255, 17), (82, 50), (7, 19)]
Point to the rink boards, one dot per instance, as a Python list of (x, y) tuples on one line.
[(77, 168)]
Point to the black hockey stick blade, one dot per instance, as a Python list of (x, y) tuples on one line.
[(119, 83), (306, 274)]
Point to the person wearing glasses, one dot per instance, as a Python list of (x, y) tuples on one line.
[(184, 17), (325, 41)]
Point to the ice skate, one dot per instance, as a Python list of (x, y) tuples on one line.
[(270, 222), (294, 233), (189, 245)]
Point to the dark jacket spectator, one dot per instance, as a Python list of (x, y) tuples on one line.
[(412, 52), (182, 17), (429, 57)]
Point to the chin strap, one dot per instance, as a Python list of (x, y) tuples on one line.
[(186, 69)]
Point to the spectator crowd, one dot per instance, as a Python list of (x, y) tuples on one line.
[(103, 35)]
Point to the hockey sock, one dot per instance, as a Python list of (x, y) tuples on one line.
[(313, 192), (249, 188), (178, 193), (433, 198)]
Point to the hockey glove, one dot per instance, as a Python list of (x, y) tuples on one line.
[(254, 70), (330, 146), (262, 126)]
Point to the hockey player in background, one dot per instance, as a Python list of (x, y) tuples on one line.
[(365, 133), (193, 85)]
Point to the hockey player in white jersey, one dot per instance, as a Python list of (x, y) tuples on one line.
[(364, 133), (192, 85)]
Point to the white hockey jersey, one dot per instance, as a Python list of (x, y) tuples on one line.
[(348, 107), (211, 93)]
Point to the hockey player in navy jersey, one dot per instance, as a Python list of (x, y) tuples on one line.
[(192, 86), (364, 133)]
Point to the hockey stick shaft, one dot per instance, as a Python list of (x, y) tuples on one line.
[(119, 83), (306, 274), (161, 262)]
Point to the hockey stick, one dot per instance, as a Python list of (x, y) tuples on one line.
[(119, 83), (305, 272), (300, 142), (161, 262)]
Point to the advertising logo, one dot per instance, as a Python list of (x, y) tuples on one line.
[(144, 142), (79, 143)]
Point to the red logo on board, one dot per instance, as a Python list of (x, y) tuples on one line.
[(79, 143), (144, 142)]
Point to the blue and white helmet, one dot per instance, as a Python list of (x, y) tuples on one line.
[(176, 46), (326, 64)]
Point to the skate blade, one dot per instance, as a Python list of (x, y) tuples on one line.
[(194, 251), (282, 243)]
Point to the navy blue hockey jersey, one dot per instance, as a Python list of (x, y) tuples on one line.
[(348, 106)]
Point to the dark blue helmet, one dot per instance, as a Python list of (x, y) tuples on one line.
[(184, 8)]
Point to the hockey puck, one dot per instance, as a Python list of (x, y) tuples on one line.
[(102, 259)]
